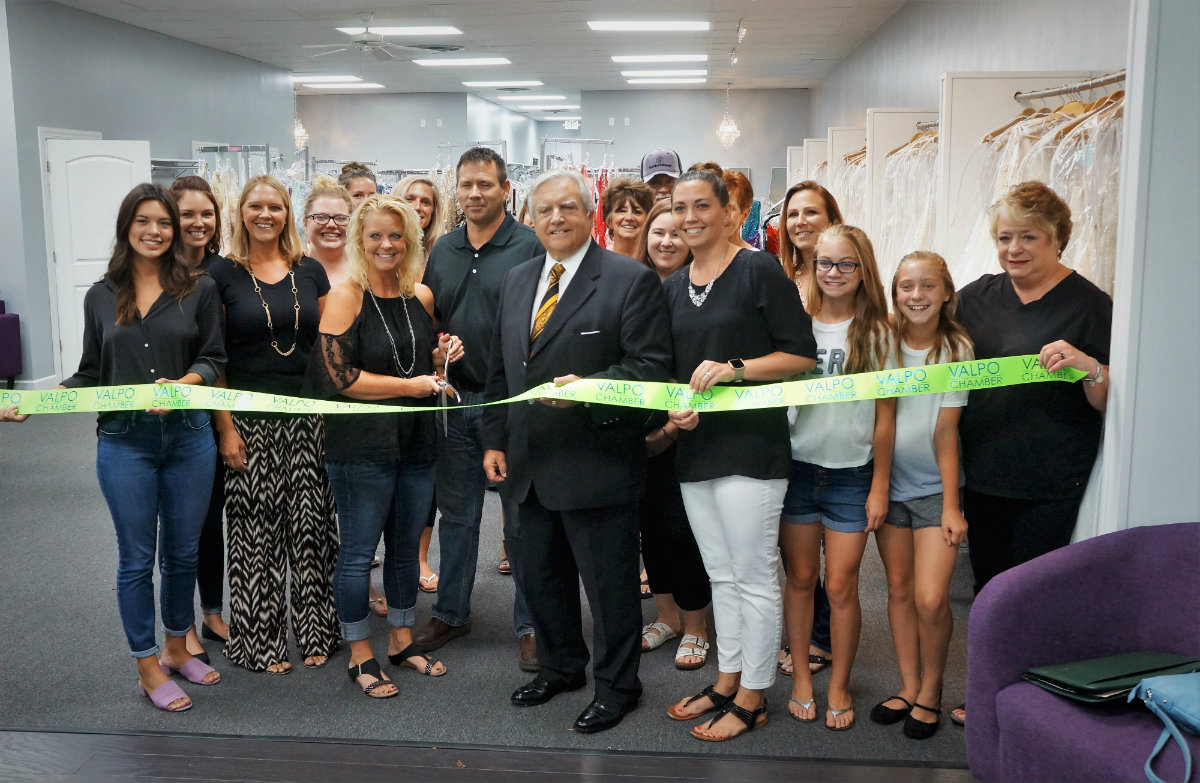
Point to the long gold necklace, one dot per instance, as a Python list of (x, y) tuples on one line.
[(267, 310)]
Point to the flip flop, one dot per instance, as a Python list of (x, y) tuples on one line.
[(377, 606), (836, 713), (504, 567), (749, 717), (163, 695), (428, 584), (194, 671), (804, 705)]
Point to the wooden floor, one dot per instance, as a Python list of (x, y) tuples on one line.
[(57, 756)]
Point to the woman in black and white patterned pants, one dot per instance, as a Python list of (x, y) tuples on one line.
[(278, 504)]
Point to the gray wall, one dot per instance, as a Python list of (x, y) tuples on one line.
[(80, 71), (901, 64), (385, 128), (686, 121), (487, 121)]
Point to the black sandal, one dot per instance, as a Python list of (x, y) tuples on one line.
[(886, 716), (719, 701), (370, 667), (413, 651), (918, 729), (749, 717)]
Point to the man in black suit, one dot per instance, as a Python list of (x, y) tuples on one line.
[(575, 472)]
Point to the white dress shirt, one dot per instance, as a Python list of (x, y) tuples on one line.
[(570, 265)]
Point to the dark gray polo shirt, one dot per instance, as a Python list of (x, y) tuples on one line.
[(466, 285)]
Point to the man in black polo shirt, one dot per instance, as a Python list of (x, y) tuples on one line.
[(465, 273)]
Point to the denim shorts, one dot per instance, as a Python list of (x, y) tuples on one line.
[(918, 513), (836, 497)]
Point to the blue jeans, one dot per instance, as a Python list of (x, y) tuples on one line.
[(389, 498), (460, 486), (156, 474)]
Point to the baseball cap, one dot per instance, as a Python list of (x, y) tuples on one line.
[(661, 161)]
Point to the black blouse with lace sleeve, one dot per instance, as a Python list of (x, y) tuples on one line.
[(338, 360)]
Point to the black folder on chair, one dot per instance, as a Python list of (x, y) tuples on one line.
[(1098, 680)]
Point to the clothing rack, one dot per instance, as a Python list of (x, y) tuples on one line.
[(568, 140), (329, 162), (1067, 89), (928, 125), (247, 160)]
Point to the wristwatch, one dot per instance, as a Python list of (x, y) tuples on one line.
[(739, 370)]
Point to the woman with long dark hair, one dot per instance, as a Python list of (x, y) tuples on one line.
[(155, 466)]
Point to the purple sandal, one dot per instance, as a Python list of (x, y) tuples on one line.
[(194, 671), (163, 695)]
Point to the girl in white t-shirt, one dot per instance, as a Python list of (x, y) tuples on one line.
[(841, 458), (924, 526)]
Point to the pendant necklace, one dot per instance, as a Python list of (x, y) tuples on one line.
[(267, 310), (698, 298), (407, 373)]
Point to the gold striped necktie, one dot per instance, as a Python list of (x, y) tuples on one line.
[(548, 302)]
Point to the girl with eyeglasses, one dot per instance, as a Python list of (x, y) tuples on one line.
[(326, 215), (841, 458)]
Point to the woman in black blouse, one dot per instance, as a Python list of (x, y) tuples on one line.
[(151, 319), (734, 319), (200, 219), (377, 344), (278, 505)]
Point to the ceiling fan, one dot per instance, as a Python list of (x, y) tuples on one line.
[(374, 44)]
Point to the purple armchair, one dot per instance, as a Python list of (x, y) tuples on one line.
[(1136, 589), (10, 345)]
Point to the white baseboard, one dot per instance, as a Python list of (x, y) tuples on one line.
[(45, 382)]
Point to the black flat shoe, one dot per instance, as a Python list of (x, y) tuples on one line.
[(538, 691), (600, 716), (886, 716), (210, 634), (920, 730), (202, 657)]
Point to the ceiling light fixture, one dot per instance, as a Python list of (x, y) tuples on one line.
[(733, 56), (727, 131), (399, 31), (533, 97), (311, 78), (454, 61), (668, 72), (559, 118), (503, 84), (540, 107), (660, 58), (686, 80), (346, 86), (660, 26), (741, 31)]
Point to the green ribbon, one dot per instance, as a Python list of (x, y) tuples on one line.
[(899, 382)]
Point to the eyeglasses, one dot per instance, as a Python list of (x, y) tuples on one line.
[(845, 267), (320, 218)]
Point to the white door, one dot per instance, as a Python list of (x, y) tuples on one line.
[(88, 180)]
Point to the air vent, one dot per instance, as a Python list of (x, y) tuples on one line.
[(440, 48), (512, 89)]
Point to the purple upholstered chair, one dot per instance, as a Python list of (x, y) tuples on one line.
[(10, 345), (1136, 589)]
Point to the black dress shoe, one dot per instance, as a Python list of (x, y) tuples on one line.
[(538, 691), (600, 716)]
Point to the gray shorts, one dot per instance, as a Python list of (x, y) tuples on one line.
[(917, 513)]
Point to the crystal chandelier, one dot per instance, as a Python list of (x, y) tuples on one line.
[(727, 131), (301, 135)]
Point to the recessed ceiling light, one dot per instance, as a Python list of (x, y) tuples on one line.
[(533, 97), (503, 84), (559, 118), (463, 61), (660, 58), (667, 81), (345, 86), (312, 78), (429, 30), (539, 107), (661, 26), (669, 72)]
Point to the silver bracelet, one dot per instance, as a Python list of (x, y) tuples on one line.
[(1097, 376)]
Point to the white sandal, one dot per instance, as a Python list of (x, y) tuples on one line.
[(655, 634), (698, 649)]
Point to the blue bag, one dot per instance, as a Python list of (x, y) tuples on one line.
[(1175, 699)]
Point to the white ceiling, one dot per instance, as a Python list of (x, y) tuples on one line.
[(790, 43)]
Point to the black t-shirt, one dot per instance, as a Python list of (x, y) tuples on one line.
[(378, 437), (466, 289), (1034, 441), (752, 310), (253, 364)]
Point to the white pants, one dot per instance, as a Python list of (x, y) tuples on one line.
[(736, 523)]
